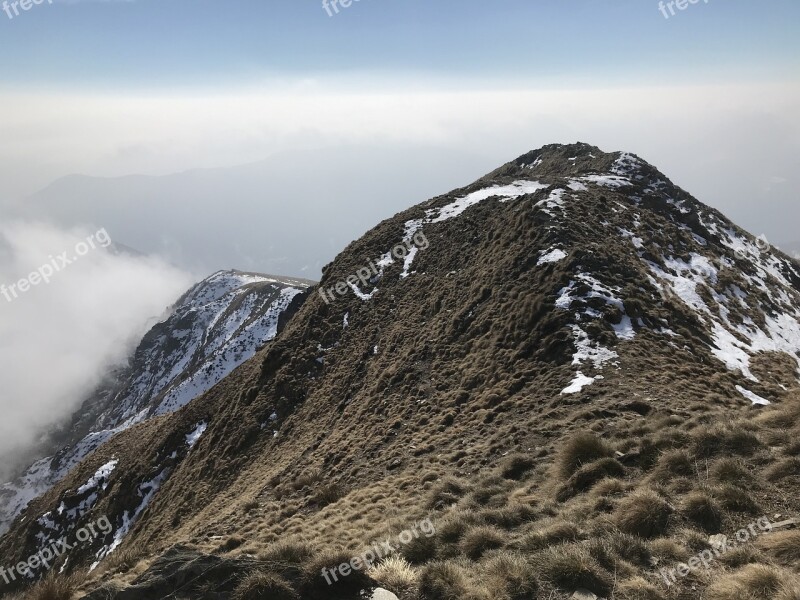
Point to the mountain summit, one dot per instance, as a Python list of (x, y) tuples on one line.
[(575, 371)]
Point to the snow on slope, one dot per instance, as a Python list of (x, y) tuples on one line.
[(214, 328), (691, 273), (758, 313)]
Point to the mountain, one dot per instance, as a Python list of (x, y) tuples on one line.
[(211, 330), (302, 206), (569, 377)]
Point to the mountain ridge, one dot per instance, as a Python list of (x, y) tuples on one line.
[(165, 372), (578, 334)]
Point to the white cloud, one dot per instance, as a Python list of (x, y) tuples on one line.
[(57, 339)]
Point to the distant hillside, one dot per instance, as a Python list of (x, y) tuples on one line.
[(211, 330), (291, 213)]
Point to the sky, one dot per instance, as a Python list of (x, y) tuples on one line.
[(150, 44), (365, 112)]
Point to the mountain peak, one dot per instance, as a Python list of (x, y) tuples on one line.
[(561, 341)]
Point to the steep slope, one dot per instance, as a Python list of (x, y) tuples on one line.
[(552, 364), (212, 329)]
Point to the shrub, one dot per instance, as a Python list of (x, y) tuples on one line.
[(516, 465), (701, 510), (581, 449), (570, 567), (480, 540), (264, 585), (443, 581), (754, 582), (644, 514)]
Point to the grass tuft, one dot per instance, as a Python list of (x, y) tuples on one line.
[(257, 586), (581, 449), (480, 540), (644, 514)]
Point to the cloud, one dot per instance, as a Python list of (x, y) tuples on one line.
[(719, 141), (57, 339)]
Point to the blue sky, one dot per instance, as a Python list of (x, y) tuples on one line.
[(175, 43)]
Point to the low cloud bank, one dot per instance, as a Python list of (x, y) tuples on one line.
[(71, 307)]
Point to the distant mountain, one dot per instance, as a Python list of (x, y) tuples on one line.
[(578, 374), (211, 330), (291, 213)]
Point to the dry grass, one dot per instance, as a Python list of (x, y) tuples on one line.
[(637, 588), (516, 465), (122, 560), (644, 514), (570, 566), (396, 575), (699, 508), (753, 582), (728, 439), (444, 581), (788, 467), (512, 576), (582, 448), (551, 535), (783, 546), (476, 542), (291, 552), (258, 586), (55, 587)]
